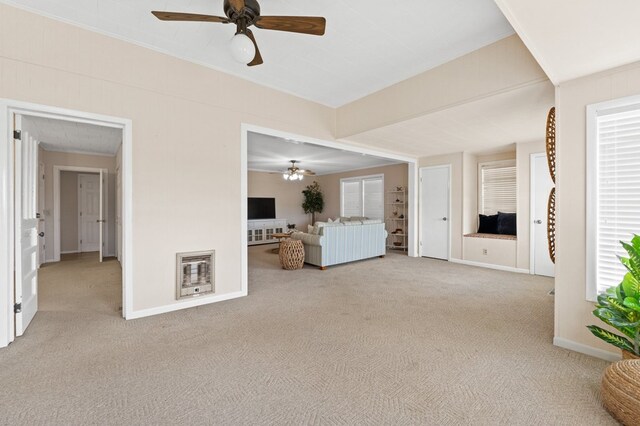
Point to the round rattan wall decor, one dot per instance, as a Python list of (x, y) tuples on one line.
[(551, 143), (551, 224)]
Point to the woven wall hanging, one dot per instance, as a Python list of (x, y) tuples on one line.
[(551, 224), (551, 143), (551, 204)]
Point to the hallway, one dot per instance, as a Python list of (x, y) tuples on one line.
[(79, 285)]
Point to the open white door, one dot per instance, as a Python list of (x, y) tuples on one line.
[(40, 215), (434, 220), (26, 228)]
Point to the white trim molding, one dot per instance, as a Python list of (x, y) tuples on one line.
[(190, 303), (587, 350), (490, 266), (10, 107)]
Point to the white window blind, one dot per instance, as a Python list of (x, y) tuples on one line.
[(351, 198), (617, 192), (362, 196), (373, 194), (497, 187)]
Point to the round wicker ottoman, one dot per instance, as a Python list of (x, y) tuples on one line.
[(621, 391), (291, 254)]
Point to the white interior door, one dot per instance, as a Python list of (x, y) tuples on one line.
[(434, 195), (101, 220), (40, 215), (541, 187), (89, 204), (26, 229)]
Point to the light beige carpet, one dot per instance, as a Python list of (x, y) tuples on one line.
[(384, 341)]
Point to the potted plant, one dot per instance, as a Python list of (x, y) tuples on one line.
[(619, 306), (313, 200)]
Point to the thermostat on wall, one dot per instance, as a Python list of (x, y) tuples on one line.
[(195, 274)]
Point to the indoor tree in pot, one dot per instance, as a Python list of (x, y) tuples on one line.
[(313, 200), (619, 306)]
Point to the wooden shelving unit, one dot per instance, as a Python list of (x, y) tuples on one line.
[(396, 220)]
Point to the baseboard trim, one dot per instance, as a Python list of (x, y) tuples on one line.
[(489, 266), (191, 303), (587, 350), (69, 252)]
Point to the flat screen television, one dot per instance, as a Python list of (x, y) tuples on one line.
[(261, 208)]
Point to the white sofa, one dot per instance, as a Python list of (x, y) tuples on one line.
[(342, 242)]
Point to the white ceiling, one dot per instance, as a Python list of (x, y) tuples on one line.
[(490, 124), (67, 136), (571, 39), (369, 44), (273, 154)]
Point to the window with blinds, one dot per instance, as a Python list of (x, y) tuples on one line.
[(362, 196), (497, 187), (614, 191)]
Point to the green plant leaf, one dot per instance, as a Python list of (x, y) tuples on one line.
[(633, 261), (635, 242), (615, 303), (632, 302), (630, 285), (618, 321), (611, 338)]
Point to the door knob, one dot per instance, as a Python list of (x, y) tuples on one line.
[(100, 221), (444, 218), (538, 222), (41, 234)]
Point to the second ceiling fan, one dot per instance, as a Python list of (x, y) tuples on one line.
[(245, 13)]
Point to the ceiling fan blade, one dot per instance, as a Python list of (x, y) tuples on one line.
[(308, 172), (294, 24), (237, 5), (257, 59), (193, 17)]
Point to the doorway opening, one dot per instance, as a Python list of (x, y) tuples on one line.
[(69, 227), (277, 166)]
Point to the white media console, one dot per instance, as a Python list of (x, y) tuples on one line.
[(261, 231)]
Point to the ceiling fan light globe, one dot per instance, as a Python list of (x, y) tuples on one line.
[(242, 48)]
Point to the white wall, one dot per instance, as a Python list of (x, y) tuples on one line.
[(186, 122), (572, 310), (288, 196), (497, 68)]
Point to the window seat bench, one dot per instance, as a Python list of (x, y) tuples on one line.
[(492, 236), (494, 249)]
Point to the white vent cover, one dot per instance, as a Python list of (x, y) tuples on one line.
[(195, 274)]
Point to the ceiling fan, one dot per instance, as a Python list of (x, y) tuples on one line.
[(245, 13), (296, 173)]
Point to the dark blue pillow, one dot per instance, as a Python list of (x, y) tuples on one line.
[(507, 224), (488, 224)]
